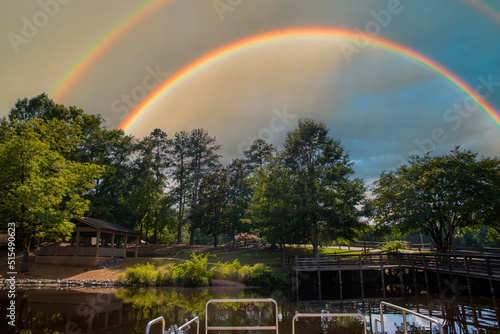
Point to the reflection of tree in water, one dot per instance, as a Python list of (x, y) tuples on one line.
[(176, 305), (412, 329), (337, 325)]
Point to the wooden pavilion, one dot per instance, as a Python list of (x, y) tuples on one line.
[(92, 242)]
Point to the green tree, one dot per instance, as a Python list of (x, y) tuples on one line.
[(204, 160), (258, 154), (438, 195), (181, 184), (319, 195), (159, 147), (40, 190), (271, 208), (211, 214), (111, 197), (239, 197), (83, 138)]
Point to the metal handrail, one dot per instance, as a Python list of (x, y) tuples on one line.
[(330, 315), (405, 311), (376, 326), (239, 328), (187, 325), (148, 326)]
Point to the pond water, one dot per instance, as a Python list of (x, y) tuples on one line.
[(129, 310)]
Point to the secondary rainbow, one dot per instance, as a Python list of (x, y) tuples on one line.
[(485, 9), (78, 68), (308, 32)]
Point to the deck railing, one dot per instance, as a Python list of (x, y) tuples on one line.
[(242, 328), (405, 312), (472, 264)]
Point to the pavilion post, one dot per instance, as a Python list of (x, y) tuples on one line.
[(97, 242), (77, 242)]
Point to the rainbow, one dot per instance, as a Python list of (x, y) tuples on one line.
[(292, 34), (78, 68), (484, 8)]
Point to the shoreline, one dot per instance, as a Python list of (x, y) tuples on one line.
[(59, 283)]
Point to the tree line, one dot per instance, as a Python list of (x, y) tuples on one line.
[(58, 162)]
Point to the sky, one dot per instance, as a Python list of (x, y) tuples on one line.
[(390, 78)]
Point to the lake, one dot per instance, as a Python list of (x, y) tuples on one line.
[(129, 311)]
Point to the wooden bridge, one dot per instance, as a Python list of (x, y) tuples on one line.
[(412, 266)]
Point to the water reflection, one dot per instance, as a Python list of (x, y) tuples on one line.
[(129, 310)]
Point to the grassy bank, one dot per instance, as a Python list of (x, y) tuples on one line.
[(249, 267), (196, 272)]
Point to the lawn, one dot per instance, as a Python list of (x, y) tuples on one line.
[(245, 257)]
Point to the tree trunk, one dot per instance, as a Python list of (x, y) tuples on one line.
[(315, 240), (179, 233), (215, 240), (192, 237), (180, 217), (155, 235), (315, 249), (24, 266)]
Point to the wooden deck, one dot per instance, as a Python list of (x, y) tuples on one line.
[(443, 267), (480, 266)]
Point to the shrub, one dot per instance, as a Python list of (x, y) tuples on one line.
[(393, 246), (140, 274), (260, 274), (227, 271), (164, 277), (192, 273), (195, 273), (246, 238)]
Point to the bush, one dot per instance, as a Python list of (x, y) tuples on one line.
[(192, 273), (195, 273), (140, 274), (227, 271), (260, 274), (394, 246)]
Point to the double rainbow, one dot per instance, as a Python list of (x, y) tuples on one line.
[(297, 33), (78, 68)]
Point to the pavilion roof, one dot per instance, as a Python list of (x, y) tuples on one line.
[(103, 225)]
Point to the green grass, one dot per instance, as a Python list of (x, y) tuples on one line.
[(157, 262), (248, 257), (272, 258)]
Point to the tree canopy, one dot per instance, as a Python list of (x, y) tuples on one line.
[(57, 162), (40, 190), (309, 187), (438, 195)]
